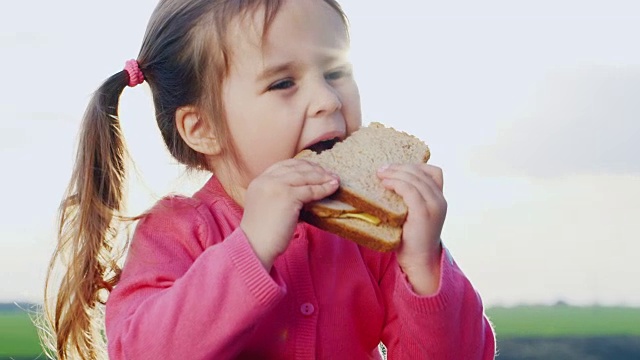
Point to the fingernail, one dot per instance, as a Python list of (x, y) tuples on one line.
[(383, 168), (333, 181)]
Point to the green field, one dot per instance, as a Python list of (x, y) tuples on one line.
[(18, 336), (554, 321)]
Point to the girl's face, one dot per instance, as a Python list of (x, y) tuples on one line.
[(290, 89)]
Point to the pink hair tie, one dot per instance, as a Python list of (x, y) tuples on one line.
[(135, 74)]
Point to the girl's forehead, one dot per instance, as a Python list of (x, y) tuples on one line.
[(301, 32), (298, 24)]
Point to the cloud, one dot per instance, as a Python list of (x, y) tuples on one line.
[(580, 121)]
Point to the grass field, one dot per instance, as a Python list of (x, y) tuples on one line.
[(554, 321), (18, 336)]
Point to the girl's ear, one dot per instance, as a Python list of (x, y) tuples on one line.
[(196, 131)]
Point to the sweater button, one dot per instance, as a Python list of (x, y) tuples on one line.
[(307, 309)]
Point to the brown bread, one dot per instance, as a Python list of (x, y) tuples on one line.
[(356, 160)]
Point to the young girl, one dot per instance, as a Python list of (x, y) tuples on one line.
[(239, 88)]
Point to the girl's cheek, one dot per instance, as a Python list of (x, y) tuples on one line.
[(353, 116)]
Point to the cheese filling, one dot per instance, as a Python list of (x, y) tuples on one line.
[(362, 216)]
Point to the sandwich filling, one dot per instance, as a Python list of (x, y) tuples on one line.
[(361, 216), (347, 215)]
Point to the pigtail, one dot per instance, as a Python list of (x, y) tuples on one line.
[(87, 230)]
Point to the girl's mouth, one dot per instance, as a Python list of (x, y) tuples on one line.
[(323, 145)]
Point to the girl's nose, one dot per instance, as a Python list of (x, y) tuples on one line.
[(324, 100)]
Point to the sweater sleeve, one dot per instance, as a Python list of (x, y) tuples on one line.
[(179, 298), (450, 324)]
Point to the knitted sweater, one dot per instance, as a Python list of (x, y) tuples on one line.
[(192, 288)]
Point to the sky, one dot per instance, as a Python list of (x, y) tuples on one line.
[(531, 108)]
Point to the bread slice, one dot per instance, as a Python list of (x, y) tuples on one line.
[(356, 160)]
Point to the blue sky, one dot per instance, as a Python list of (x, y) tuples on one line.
[(530, 107)]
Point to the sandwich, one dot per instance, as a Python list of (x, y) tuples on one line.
[(362, 210)]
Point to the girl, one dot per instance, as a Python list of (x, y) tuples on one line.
[(239, 88)]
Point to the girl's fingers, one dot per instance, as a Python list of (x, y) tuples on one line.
[(297, 172), (298, 180), (307, 177), (415, 198), (405, 183), (435, 173), (315, 192), (294, 165), (426, 178)]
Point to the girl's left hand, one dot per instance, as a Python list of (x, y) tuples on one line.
[(420, 185)]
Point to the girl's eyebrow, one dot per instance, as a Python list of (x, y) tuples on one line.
[(271, 71)]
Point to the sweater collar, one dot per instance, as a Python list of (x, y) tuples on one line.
[(215, 191)]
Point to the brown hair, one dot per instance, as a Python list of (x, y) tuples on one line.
[(184, 58)]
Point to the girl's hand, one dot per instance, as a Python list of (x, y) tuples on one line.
[(273, 202), (420, 185)]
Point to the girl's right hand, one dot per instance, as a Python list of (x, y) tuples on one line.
[(273, 202)]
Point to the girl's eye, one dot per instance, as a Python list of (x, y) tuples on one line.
[(282, 85), (337, 74)]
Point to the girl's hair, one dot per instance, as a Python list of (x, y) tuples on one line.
[(184, 58)]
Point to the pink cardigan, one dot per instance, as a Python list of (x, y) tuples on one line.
[(192, 288)]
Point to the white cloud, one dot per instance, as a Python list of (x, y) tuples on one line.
[(580, 121)]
